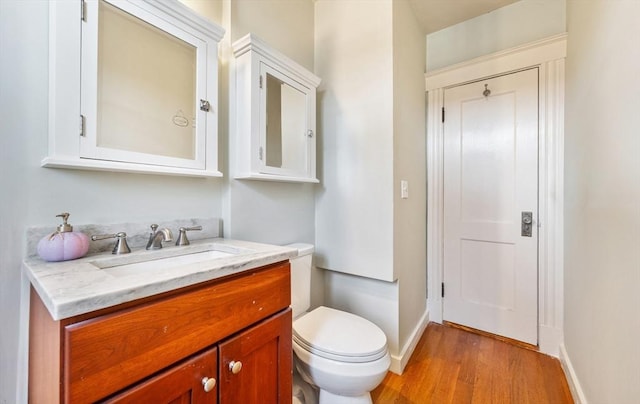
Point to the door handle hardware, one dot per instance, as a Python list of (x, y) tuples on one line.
[(527, 224)]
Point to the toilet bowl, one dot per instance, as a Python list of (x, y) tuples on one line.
[(345, 356), (303, 392), (342, 354)]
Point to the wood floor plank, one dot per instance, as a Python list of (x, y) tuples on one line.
[(556, 387), (455, 366)]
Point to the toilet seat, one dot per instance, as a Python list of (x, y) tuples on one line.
[(340, 336)]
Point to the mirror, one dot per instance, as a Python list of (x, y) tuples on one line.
[(286, 143), (146, 89)]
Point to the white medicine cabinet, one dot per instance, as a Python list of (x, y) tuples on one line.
[(275, 115), (133, 87)]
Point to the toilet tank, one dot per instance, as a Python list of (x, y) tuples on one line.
[(301, 278)]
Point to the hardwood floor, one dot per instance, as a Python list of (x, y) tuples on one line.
[(451, 365)]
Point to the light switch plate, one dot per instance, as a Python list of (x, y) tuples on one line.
[(404, 189)]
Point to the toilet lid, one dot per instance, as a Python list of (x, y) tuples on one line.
[(341, 336)]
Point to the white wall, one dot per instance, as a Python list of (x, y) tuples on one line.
[(602, 199), (518, 23)]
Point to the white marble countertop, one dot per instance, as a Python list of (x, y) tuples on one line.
[(98, 281)]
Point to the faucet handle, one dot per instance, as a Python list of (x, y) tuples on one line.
[(182, 236), (121, 246), (154, 227)]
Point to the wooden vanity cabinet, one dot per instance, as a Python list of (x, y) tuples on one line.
[(159, 349)]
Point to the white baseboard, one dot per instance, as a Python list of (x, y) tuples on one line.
[(398, 362), (572, 378)]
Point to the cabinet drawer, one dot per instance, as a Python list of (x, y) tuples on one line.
[(181, 383), (102, 355)]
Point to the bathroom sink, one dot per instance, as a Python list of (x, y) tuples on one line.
[(165, 259)]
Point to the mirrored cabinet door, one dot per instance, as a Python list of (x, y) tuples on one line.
[(147, 87), (141, 80), (285, 134), (275, 115)]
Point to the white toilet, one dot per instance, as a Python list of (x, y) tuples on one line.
[(343, 355)]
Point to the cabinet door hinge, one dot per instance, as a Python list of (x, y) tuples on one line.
[(442, 289), (83, 10), (260, 81), (82, 125), (260, 153), (442, 114)]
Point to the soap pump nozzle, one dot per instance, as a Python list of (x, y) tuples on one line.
[(64, 227)]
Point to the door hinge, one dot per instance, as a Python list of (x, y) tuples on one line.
[(260, 153), (442, 289), (260, 81), (442, 114), (82, 125), (83, 10)]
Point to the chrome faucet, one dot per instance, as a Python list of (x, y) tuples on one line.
[(158, 236)]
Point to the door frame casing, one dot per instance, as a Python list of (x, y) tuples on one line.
[(548, 55)]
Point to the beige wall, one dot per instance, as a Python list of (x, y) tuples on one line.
[(286, 25), (211, 9), (602, 199), (409, 164), (518, 23)]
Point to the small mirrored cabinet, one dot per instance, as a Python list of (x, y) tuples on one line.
[(133, 86), (275, 115)]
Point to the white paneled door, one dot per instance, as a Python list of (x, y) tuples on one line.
[(490, 193)]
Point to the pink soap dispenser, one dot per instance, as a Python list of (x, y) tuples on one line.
[(64, 244)]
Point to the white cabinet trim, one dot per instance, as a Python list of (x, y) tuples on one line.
[(279, 61), (548, 55)]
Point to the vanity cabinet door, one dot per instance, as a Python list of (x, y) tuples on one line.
[(193, 381), (265, 373)]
